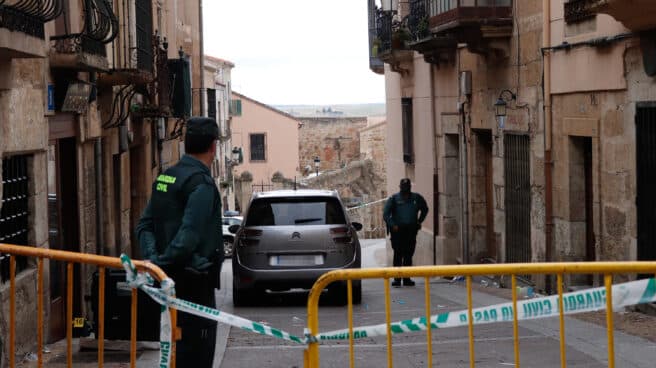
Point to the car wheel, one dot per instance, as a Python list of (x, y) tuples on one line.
[(227, 247), (242, 297)]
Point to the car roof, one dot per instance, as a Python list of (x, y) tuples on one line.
[(296, 193)]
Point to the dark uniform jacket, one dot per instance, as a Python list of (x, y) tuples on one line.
[(181, 225), (402, 212)]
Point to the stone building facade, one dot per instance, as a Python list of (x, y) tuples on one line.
[(523, 151), (335, 140), (86, 123)]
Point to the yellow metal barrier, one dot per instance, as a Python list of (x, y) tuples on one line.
[(608, 269), (72, 258)]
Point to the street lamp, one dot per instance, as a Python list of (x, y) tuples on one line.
[(235, 155), (317, 164), (502, 103)]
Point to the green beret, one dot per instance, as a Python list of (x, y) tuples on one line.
[(202, 126)]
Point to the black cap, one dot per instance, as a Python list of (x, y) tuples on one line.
[(202, 126), (405, 181)]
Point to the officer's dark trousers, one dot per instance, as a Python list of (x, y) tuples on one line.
[(196, 348), (403, 244)]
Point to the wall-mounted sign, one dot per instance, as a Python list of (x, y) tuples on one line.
[(51, 98), (77, 97)]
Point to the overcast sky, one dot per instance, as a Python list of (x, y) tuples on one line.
[(294, 51)]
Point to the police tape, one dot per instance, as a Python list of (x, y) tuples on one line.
[(165, 297), (588, 300), (366, 204)]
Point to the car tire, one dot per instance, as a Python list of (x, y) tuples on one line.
[(228, 247), (242, 297), (357, 292)]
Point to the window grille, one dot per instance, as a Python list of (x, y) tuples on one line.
[(258, 147), (14, 215), (407, 125)]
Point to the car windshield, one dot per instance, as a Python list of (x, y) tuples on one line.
[(295, 211)]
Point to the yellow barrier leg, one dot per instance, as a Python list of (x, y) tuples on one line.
[(608, 279), (12, 311), (349, 289), (470, 316), (561, 312), (133, 331), (429, 335), (69, 315), (515, 321), (388, 320), (39, 323), (101, 317)]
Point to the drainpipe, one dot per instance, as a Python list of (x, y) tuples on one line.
[(202, 59), (548, 162), (97, 151), (464, 227), (436, 200)]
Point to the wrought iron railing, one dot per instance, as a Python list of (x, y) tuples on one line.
[(418, 19), (375, 64), (383, 31), (144, 23), (430, 13), (100, 28), (579, 10), (28, 16)]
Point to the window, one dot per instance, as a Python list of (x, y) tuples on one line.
[(14, 215), (258, 147), (211, 103), (408, 143), (296, 211), (578, 11)]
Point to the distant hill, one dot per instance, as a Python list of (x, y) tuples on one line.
[(374, 109)]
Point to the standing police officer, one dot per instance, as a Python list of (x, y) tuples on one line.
[(404, 212), (180, 230)]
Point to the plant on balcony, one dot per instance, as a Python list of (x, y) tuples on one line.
[(375, 47), (225, 184), (399, 38)]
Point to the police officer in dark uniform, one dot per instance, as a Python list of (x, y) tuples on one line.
[(404, 212), (180, 230)]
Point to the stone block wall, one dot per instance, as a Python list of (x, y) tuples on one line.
[(336, 140)]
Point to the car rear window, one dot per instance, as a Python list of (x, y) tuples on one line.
[(295, 211)]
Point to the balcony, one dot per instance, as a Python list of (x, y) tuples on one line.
[(639, 15), (438, 26), (132, 61), (87, 51), (22, 32), (389, 43)]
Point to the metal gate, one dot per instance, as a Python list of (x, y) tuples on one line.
[(517, 198), (646, 175)]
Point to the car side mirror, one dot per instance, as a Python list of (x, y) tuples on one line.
[(234, 228), (357, 226)]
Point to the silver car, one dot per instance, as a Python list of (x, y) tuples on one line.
[(228, 237), (288, 239)]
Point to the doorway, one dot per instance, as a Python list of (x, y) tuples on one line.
[(63, 228), (646, 179), (517, 197)]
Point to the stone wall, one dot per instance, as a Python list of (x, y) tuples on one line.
[(24, 130), (335, 140)]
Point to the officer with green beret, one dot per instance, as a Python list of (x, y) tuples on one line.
[(180, 230)]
